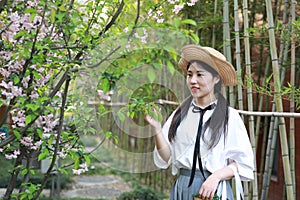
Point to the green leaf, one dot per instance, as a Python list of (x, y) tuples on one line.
[(151, 75), (105, 85), (157, 66), (43, 155), (28, 119), (24, 171), (32, 107), (189, 21), (87, 159), (39, 132), (170, 67), (121, 116), (16, 80), (17, 134), (52, 15), (195, 38), (176, 22)]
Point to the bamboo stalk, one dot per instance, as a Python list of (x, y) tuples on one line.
[(227, 46), (258, 129), (249, 94), (261, 100), (213, 44), (264, 148), (239, 72), (270, 164), (267, 160), (238, 55), (278, 102), (292, 102)]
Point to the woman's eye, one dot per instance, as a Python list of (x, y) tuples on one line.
[(199, 74)]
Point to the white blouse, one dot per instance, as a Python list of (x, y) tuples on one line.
[(237, 146)]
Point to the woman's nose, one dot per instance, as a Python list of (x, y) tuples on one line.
[(193, 79)]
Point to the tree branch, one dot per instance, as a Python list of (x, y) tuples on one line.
[(59, 132), (113, 20)]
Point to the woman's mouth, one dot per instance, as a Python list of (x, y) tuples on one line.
[(194, 89)]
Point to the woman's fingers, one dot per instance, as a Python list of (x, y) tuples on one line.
[(154, 123)]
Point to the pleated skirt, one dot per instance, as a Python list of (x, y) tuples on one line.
[(181, 190)]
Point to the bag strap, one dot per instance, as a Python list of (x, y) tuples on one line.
[(238, 184)]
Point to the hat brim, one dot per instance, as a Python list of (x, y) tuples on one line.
[(204, 54)]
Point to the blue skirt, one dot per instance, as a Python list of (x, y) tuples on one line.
[(181, 191)]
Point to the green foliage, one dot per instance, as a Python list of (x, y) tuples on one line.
[(141, 194)]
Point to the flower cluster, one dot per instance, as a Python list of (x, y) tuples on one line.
[(177, 7), (29, 142), (106, 96), (12, 155), (47, 122), (82, 168), (18, 118)]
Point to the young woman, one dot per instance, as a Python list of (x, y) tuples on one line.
[(204, 140)]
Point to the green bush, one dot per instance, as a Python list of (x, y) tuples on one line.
[(141, 194), (8, 165)]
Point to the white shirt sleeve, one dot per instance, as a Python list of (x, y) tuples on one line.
[(239, 147)]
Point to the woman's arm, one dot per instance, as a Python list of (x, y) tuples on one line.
[(162, 145)]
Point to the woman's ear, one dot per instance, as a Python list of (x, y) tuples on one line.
[(216, 79)]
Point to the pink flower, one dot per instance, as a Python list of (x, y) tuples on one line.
[(173, 1), (125, 30), (6, 85), (17, 152), (77, 171), (62, 155), (177, 8), (84, 166), (14, 17), (160, 20), (105, 96), (34, 95), (26, 141), (1, 150), (5, 72), (2, 135), (9, 156), (19, 119)]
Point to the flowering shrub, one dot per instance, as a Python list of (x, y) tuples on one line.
[(42, 48)]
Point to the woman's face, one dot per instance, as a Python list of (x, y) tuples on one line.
[(201, 84)]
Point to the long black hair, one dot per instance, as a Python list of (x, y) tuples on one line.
[(218, 120)]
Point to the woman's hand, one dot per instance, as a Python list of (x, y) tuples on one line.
[(152, 120), (209, 187), (154, 123)]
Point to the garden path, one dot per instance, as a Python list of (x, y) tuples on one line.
[(92, 187), (95, 187)]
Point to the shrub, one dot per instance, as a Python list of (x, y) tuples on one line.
[(141, 194)]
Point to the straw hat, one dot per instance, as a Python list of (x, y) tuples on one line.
[(213, 58)]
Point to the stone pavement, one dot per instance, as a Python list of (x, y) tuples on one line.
[(93, 187)]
